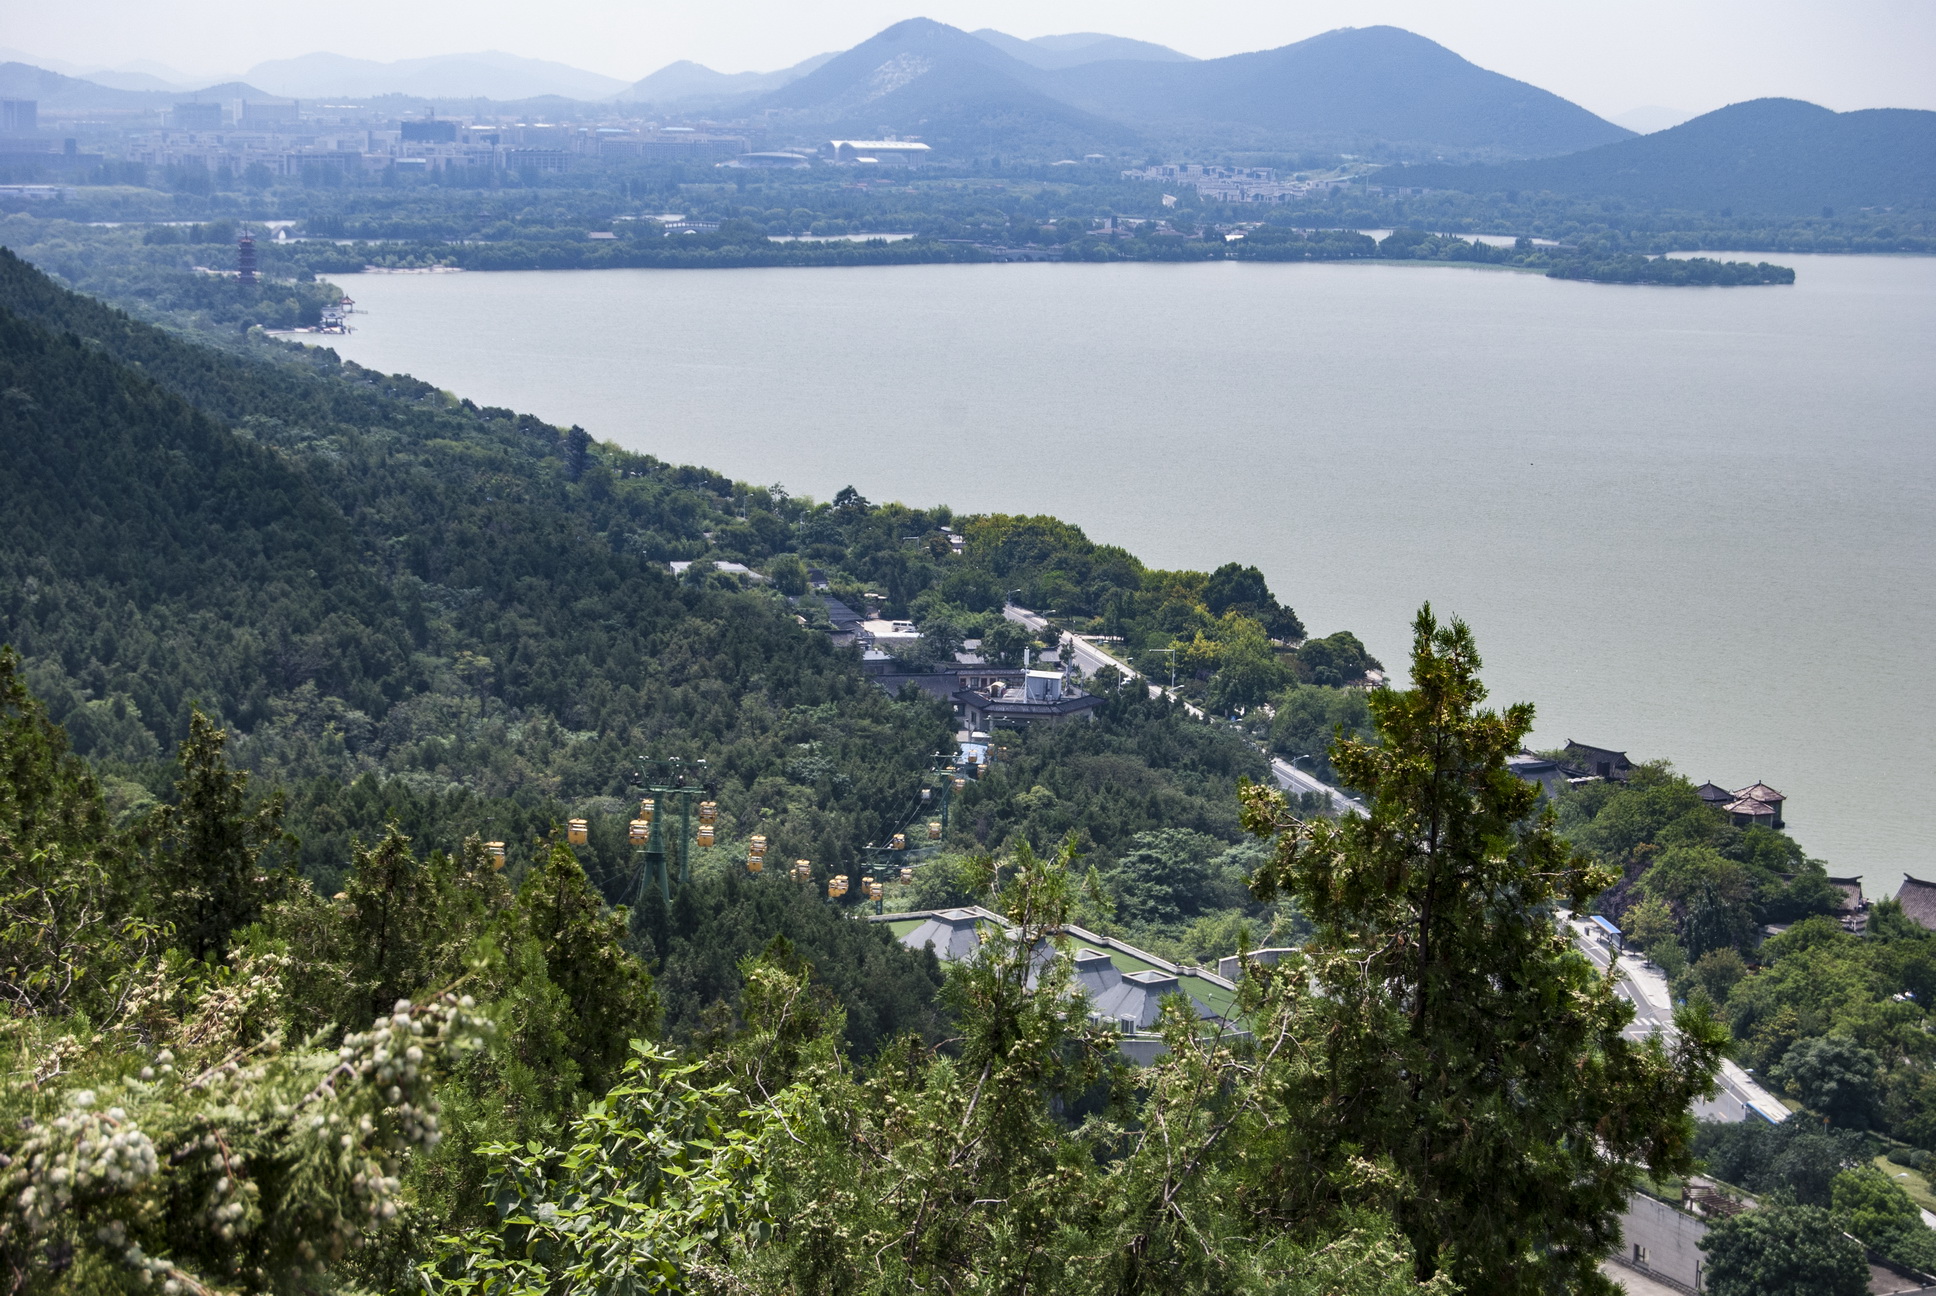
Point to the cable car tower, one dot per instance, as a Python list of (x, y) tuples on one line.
[(658, 849), (914, 841)]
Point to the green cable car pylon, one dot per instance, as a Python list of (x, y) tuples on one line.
[(658, 850), (911, 844)]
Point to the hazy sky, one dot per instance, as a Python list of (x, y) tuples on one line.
[(1610, 55)]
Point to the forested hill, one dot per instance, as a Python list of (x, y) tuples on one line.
[(360, 575), (1768, 157), (403, 606)]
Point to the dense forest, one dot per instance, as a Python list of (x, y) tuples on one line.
[(195, 1103), (408, 610), (291, 640)]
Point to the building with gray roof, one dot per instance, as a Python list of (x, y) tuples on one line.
[(1918, 901), (1125, 986)]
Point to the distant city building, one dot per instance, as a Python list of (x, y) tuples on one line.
[(428, 131), (529, 159), (844, 623), (887, 635), (769, 161), (893, 152), (1543, 770), (268, 114), (967, 672), (19, 116), (1235, 184), (674, 144), (196, 116), (1759, 804), (1714, 794)]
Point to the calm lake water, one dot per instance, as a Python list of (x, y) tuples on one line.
[(1690, 523)]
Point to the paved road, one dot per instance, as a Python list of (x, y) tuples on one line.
[(1092, 659), (1740, 1096), (1292, 779), (1089, 657)]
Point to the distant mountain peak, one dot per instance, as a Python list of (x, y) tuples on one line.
[(1071, 49), (1767, 157), (489, 74)]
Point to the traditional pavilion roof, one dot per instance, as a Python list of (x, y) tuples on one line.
[(1750, 806), (1918, 901), (1761, 792), (1851, 889)]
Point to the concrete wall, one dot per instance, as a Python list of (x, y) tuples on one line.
[(1668, 1242)]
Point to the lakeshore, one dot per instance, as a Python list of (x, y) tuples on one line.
[(1665, 474)]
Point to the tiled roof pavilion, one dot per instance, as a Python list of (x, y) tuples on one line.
[(1918, 900)]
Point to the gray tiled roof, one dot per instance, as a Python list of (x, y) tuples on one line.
[(954, 934), (1918, 900)]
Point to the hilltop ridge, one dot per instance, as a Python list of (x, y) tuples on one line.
[(1781, 157)]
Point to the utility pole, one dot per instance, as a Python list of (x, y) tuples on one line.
[(1172, 653)]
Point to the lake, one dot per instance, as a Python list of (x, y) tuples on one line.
[(1690, 523)]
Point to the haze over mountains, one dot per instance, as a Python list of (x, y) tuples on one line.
[(687, 84), (1363, 90), (1353, 89), (491, 74), (1776, 157), (1375, 93)]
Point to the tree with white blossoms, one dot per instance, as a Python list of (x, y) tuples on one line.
[(226, 1162)]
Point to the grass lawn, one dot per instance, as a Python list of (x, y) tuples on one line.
[(1913, 1182)]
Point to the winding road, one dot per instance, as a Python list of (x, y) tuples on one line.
[(1091, 659), (1638, 981)]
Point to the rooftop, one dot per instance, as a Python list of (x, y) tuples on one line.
[(729, 568), (881, 146), (1124, 984), (1918, 901)]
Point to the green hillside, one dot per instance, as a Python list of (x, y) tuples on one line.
[(408, 608), (1357, 89), (294, 1030), (1767, 157)]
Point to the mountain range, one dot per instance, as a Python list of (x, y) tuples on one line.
[(58, 91), (691, 85), (1360, 89), (1376, 92), (1770, 157), (490, 74), (1371, 90)]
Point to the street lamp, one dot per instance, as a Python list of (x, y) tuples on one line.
[(1172, 653)]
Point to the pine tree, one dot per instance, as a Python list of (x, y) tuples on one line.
[(609, 990), (1447, 1030), (66, 930), (208, 875)]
